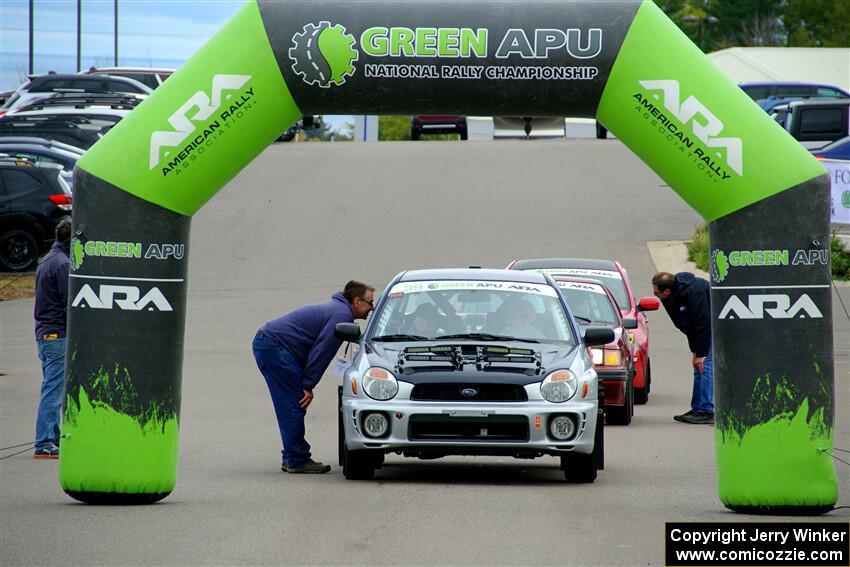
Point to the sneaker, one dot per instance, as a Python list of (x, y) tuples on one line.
[(310, 467), (699, 418), (51, 452), (683, 416)]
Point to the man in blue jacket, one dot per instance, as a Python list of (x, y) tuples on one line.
[(50, 313), (292, 353), (687, 300)]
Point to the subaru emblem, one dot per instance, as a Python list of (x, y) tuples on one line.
[(469, 392)]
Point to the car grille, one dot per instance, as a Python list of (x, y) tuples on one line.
[(449, 428), (455, 393)]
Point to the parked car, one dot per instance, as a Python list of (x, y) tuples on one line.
[(616, 279), (33, 199), (592, 304), (763, 90), (43, 85), (76, 131), (839, 149), (147, 76), (471, 362), (421, 125), (113, 101), (815, 123), (43, 150), (38, 159)]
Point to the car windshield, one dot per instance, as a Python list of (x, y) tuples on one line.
[(477, 310), (588, 302), (611, 278)]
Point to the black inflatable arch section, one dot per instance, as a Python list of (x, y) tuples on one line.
[(623, 63)]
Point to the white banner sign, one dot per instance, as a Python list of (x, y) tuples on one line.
[(839, 178)]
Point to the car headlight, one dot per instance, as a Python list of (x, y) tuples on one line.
[(606, 357), (379, 384), (559, 386)]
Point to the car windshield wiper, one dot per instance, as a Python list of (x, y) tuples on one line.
[(485, 337), (583, 319), (399, 337)]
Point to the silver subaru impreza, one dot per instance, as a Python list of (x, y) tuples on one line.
[(471, 362)]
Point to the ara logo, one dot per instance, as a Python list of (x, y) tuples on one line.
[(323, 54), (204, 106), (770, 306), (125, 297), (703, 122)]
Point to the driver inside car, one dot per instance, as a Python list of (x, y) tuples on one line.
[(425, 321)]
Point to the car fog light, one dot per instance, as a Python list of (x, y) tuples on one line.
[(562, 427), (375, 425)]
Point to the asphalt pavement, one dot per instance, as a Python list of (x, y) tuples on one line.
[(291, 229)]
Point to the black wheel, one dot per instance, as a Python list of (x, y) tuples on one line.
[(622, 415), (358, 465), (414, 135), (580, 468), (341, 430), (464, 135), (18, 249), (599, 441), (601, 131), (642, 394)]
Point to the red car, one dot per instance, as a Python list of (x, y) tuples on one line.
[(616, 279), (433, 124), (591, 303)]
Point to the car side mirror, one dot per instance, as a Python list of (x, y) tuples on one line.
[(630, 323), (598, 336), (347, 332), (648, 304)]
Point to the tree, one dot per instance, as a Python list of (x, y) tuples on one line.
[(817, 23), (393, 128)]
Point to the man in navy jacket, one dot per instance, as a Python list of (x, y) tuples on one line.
[(50, 313), (292, 353), (688, 302)]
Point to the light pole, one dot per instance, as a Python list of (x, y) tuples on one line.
[(700, 20)]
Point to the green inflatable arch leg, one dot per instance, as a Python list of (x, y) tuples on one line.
[(622, 62)]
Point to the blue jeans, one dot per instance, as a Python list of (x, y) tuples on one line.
[(702, 399), (283, 377), (51, 352)]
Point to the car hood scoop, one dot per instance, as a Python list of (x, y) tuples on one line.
[(483, 363)]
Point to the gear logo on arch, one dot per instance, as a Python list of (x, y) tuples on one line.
[(323, 54)]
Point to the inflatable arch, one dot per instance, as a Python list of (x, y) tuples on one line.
[(625, 63)]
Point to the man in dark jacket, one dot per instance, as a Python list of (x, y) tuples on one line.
[(687, 300), (292, 353), (51, 307)]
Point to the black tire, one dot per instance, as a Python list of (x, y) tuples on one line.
[(580, 468), (599, 441), (464, 135), (622, 415), (358, 465), (642, 394), (341, 430), (601, 131), (19, 249), (414, 135)]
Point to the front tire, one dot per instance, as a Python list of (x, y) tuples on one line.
[(358, 465), (18, 249), (580, 468)]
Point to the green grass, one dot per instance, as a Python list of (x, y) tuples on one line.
[(698, 253)]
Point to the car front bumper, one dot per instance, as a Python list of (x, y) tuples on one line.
[(425, 429)]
